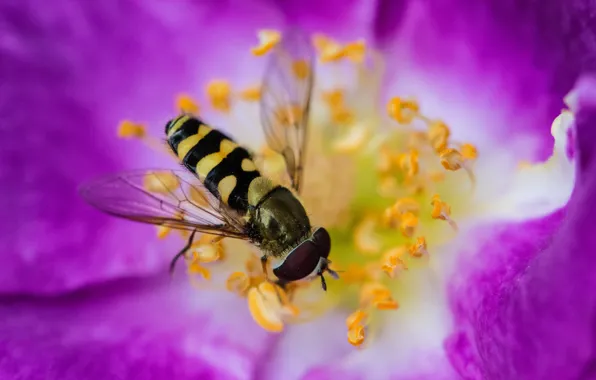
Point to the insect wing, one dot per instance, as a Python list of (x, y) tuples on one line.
[(169, 198), (285, 100)]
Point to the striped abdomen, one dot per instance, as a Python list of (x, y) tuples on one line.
[(225, 168)]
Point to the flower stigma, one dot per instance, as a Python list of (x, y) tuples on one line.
[(400, 170)]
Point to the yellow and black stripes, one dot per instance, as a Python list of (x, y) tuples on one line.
[(225, 168)]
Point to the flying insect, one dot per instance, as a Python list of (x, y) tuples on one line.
[(222, 192)]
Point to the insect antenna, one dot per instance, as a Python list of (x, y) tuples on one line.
[(182, 252)]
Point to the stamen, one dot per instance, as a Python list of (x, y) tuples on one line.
[(408, 163), (163, 232), (441, 210), (268, 38), (393, 260), (356, 335), (392, 215), (185, 103), (129, 129), (301, 69), (355, 51), (353, 140), (219, 93), (453, 160), (238, 283), (251, 94), (402, 111), (408, 224), (269, 305), (418, 249), (469, 151), (378, 296), (206, 250), (438, 135)]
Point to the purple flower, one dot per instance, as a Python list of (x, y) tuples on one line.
[(490, 279)]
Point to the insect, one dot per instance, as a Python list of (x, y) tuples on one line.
[(231, 198)]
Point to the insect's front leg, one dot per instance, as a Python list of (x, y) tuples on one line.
[(182, 252)]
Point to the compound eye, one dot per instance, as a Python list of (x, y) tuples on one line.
[(322, 240), (299, 263)]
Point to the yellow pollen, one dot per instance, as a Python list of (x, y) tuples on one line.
[(163, 232), (365, 238), (378, 296), (268, 38), (238, 283), (186, 104), (408, 162), (195, 268), (453, 160), (392, 215), (468, 151), (442, 211), (206, 250), (418, 249), (161, 182), (251, 94), (356, 318), (129, 129), (269, 306), (320, 41), (408, 224), (356, 335), (334, 98), (219, 94), (393, 260), (355, 51), (402, 111), (301, 69), (332, 52), (288, 116), (438, 135)]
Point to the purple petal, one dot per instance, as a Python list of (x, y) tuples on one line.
[(130, 329), (514, 59), (529, 313), (70, 73)]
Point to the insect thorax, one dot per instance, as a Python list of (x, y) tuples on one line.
[(278, 219)]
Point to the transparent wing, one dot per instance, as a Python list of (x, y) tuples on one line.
[(285, 100), (169, 198)]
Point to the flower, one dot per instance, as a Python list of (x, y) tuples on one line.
[(84, 297)]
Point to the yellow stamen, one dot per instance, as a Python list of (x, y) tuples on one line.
[(408, 163), (269, 305), (378, 296), (356, 335), (418, 249), (402, 111), (441, 210), (408, 224), (163, 232), (453, 160), (195, 268), (219, 93), (164, 182), (185, 103), (438, 135), (365, 238), (334, 98), (238, 282), (468, 151), (206, 250), (393, 214), (393, 260), (268, 38), (356, 318), (251, 94), (355, 51), (129, 129), (301, 69)]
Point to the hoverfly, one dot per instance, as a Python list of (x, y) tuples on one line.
[(231, 198)]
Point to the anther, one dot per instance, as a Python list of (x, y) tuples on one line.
[(393, 260), (356, 318), (453, 160), (268, 38), (251, 94), (219, 94), (301, 69), (163, 232), (408, 224), (402, 111), (418, 249), (129, 129), (442, 211), (205, 251), (186, 104), (355, 51), (238, 283), (356, 335), (408, 163), (438, 135), (468, 151), (269, 305)]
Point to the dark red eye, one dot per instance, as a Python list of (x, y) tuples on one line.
[(304, 259)]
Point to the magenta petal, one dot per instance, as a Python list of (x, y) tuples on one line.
[(130, 330), (530, 315)]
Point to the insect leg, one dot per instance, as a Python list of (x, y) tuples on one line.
[(182, 252)]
